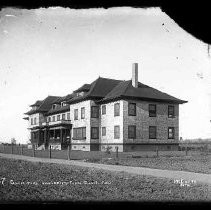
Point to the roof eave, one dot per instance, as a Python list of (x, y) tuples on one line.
[(141, 99), (58, 111)]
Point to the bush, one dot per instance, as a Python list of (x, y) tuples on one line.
[(108, 150)]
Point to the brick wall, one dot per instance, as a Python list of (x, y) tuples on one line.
[(143, 121)]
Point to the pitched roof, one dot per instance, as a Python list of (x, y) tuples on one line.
[(59, 110), (125, 90), (44, 106), (104, 90), (64, 98), (47, 103), (85, 87), (98, 89), (37, 103)]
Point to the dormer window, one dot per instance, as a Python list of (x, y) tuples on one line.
[(80, 94), (34, 107), (54, 106), (63, 103)]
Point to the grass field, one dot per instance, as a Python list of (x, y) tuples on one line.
[(194, 162), (27, 181)]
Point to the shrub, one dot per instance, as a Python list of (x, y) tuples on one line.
[(108, 149)]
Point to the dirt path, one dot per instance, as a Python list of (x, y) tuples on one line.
[(186, 176)]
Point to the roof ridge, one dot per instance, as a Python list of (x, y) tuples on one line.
[(117, 86), (109, 78), (129, 81)]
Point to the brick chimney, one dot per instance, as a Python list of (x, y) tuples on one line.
[(135, 75)]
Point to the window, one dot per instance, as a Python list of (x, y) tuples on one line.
[(63, 103), (68, 116), (63, 116), (131, 131), (103, 109), (53, 119), (79, 133), (75, 114), (58, 117), (82, 112), (54, 106), (170, 111), (132, 109), (103, 131), (94, 112), (116, 132), (152, 132), (49, 119), (35, 121), (31, 121), (94, 132), (152, 110), (116, 109), (170, 132)]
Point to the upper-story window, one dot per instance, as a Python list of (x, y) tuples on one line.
[(103, 109), (63, 103), (170, 132), (171, 111), (94, 132), (82, 112), (31, 121), (34, 107), (116, 132), (63, 116), (49, 119), (152, 110), (132, 109), (54, 106), (75, 114), (152, 132), (35, 120), (94, 112), (80, 94), (58, 117), (131, 131), (68, 116), (103, 131), (116, 109), (54, 118)]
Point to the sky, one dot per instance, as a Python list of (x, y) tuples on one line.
[(53, 51)]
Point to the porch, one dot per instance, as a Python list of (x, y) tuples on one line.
[(52, 136)]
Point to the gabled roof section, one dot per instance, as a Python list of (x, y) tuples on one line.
[(143, 92), (47, 103), (37, 103), (59, 110), (64, 98), (85, 87), (98, 89), (44, 106), (117, 91)]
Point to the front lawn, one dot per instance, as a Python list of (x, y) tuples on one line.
[(194, 162), (27, 181)]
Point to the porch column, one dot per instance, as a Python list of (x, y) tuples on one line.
[(65, 135), (61, 136), (39, 137), (32, 137), (54, 133), (45, 136)]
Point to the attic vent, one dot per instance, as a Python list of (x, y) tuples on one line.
[(135, 75)]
